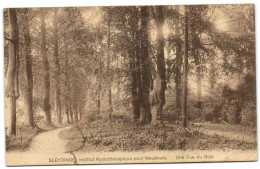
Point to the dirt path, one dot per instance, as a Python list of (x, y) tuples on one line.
[(46, 147), (47, 142)]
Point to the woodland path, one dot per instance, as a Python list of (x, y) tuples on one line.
[(49, 141), (45, 148)]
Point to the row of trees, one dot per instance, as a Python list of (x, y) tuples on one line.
[(70, 60), (28, 36)]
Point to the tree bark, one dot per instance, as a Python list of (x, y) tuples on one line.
[(11, 92), (198, 76), (57, 68), (157, 95), (110, 110), (138, 78), (212, 78), (70, 110), (134, 65), (28, 96), (99, 86), (178, 71), (75, 112), (75, 100), (67, 86), (80, 110), (185, 71), (99, 91), (194, 53), (45, 63), (145, 111)]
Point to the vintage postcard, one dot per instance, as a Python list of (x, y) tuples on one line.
[(130, 84)]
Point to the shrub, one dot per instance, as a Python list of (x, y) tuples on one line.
[(208, 116), (248, 115), (230, 112)]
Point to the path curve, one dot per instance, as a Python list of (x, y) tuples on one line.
[(46, 148), (48, 142)]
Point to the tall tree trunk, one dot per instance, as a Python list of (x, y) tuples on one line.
[(134, 91), (157, 95), (70, 108), (45, 63), (185, 71), (81, 99), (75, 111), (110, 110), (145, 111), (134, 66), (75, 115), (99, 86), (194, 53), (198, 76), (57, 68), (67, 86), (212, 78), (99, 91), (80, 110), (138, 78), (178, 71), (28, 96), (75, 99), (12, 91)]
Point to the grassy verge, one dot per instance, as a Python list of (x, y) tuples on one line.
[(21, 140)]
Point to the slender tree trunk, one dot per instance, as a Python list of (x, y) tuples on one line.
[(138, 78), (110, 111), (12, 92), (198, 76), (75, 97), (134, 91), (157, 95), (79, 111), (67, 115), (67, 85), (45, 63), (118, 92), (134, 66), (57, 68), (70, 111), (70, 99), (28, 96), (75, 115), (99, 91), (145, 111), (75, 111), (178, 71), (99, 86), (185, 71), (194, 53), (212, 78)]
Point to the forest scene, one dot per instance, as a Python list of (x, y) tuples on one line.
[(130, 78)]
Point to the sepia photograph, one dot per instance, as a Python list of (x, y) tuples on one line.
[(130, 84)]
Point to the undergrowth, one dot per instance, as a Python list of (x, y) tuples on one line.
[(21, 140), (120, 134)]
